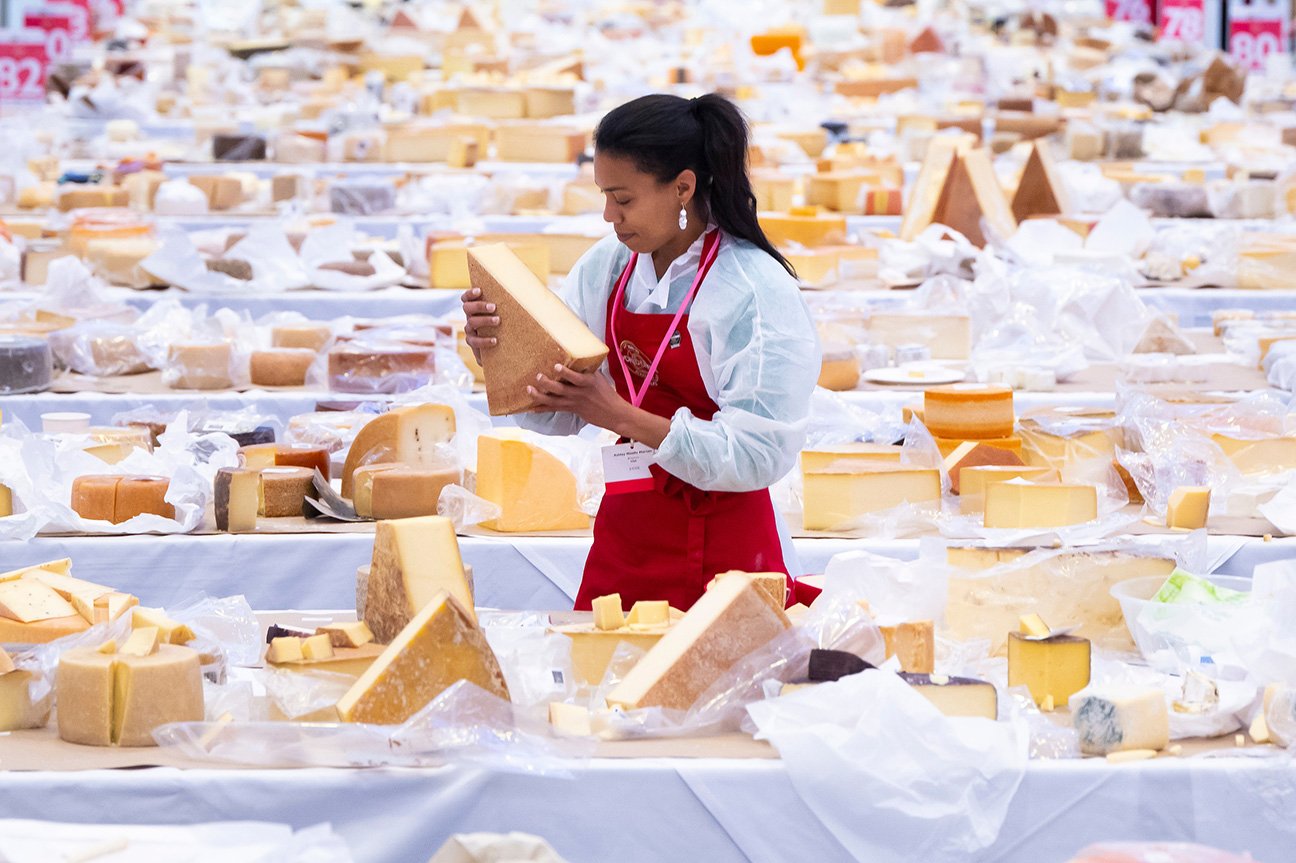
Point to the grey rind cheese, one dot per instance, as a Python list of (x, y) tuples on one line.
[(26, 364)]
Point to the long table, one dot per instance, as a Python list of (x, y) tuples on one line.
[(721, 809), (287, 571)]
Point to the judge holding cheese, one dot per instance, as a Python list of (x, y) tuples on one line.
[(712, 357)]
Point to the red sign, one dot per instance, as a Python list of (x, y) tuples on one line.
[(77, 19), (23, 64), (1257, 29), (1133, 11), (57, 28), (1183, 21)]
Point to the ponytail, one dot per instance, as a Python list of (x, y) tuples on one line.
[(664, 135)]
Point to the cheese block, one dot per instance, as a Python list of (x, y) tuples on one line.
[(538, 142), (956, 696), (608, 613), (969, 411), (287, 648), (772, 584), (727, 623), (317, 647), (1053, 669), (928, 188), (303, 455), (41, 631), (281, 367), (975, 454), (440, 646), (351, 661), (372, 367), (237, 498), (258, 456), (283, 491), (913, 643), (200, 366), (18, 710), (1017, 504), (773, 190), (353, 633), (223, 192), (533, 489), (118, 260), (412, 436), (949, 337), (414, 559), (403, 492), (169, 631), (1255, 456), (804, 226), (972, 201), (6, 662), (1188, 507), (839, 371), (537, 331), (570, 719), (973, 481), (314, 337), (75, 196), (143, 641), (448, 259), (593, 649), (1117, 720), (849, 457), (113, 699), (835, 501)]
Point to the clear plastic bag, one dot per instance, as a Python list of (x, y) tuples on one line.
[(332, 244), (99, 349)]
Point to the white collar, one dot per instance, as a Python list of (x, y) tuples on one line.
[(646, 273)]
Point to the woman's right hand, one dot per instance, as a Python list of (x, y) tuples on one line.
[(481, 323)]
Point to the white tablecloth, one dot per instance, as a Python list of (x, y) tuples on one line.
[(318, 570), (676, 809)]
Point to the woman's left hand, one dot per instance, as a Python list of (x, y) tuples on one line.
[(590, 396)]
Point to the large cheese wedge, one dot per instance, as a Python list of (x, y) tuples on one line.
[(1017, 504), (971, 454), (440, 646), (533, 489), (973, 481), (834, 501), (844, 458), (1259, 455), (730, 621), (414, 559), (1115, 720), (1040, 191), (969, 411), (537, 331), (113, 699), (406, 435)]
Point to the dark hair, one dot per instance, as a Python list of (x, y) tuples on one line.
[(664, 135)]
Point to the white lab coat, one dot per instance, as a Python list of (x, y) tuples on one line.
[(757, 351)]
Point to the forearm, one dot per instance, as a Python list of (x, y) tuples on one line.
[(641, 425)]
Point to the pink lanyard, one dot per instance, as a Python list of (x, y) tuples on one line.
[(710, 247)]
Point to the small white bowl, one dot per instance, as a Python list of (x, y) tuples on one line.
[(1168, 633)]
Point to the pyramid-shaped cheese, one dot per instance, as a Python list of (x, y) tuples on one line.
[(537, 331), (441, 646), (929, 186), (731, 620), (972, 194), (414, 560), (1040, 191)]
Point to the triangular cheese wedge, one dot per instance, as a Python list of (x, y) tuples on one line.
[(929, 186), (973, 200), (537, 331), (414, 559), (441, 646), (1040, 191), (66, 586), (62, 566), (28, 601)]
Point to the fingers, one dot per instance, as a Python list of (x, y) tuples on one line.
[(479, 342), (549, 386), (569, 376)]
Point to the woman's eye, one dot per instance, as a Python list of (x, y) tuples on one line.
[(621, 203)]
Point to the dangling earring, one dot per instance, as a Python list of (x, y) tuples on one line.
[(683, 220)]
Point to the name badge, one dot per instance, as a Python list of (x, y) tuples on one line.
[(626, 467)]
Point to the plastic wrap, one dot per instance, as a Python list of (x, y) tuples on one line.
[(362, 197), (1178, 634), (99, 349), (464, 508), (270, 257), (1156, 852), (327, 246)]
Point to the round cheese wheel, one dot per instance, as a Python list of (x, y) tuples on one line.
[(281, 367), (26, 364), (969, 411)]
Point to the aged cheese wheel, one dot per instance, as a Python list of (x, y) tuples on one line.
[(313, 336), (201, 366), (281, 367), (969, 411), (26, 364)]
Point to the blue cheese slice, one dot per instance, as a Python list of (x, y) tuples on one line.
[(1115, 720)]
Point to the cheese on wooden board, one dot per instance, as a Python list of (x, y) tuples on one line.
[(351, 661), (956, 696), (1017, 504), (969, 411), (975, 454), (533, 489), (406, 492), (112, 699), (200, 365), (353, 633), (727, 623), (283, 491), (1117, 720), (281, 367), (1188, 507), (844, 458), (414, 559), (537, 331), (237, 498), (835, 501), (1053, 668), (440, 646), (317, 647), (407, 435)]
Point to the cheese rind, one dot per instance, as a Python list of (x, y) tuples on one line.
[(956, 696), (414, 559), (440, 646), (726, 624), (1118, 720)]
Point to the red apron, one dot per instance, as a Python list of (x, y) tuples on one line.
[(669, 542)]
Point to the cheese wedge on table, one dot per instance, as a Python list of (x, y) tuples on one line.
[(1259, 455), (537, 331), (440, 646), (1053, 668), (402, 492), (236, 498), (533, 489), (1188, 507), (835, 501), (407, 435), (1116, 720), (114, 699), (727, 623), (956, 696), (414, 559), (975, 454), (1018, 504)]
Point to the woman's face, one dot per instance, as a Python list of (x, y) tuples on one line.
[(643, 212)]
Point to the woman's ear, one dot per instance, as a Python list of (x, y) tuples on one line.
[(686, 186)]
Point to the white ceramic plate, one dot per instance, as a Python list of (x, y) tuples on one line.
[(914, 375)]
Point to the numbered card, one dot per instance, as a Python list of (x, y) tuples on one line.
[(1183, 21), (1257, 29), (1132, 11), (58, 28), (23, 65)]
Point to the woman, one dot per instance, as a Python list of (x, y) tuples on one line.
[(713, 355)]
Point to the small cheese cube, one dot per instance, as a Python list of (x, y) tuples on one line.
[(317, 647), (1188, 507), (285, 649), (1053, 669), (607, 612)]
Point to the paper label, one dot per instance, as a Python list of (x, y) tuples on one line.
[(1256, 30), (1133, 11), (23, 65), (627, 467), (1183, 21)]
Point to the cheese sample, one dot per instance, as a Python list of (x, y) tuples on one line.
[(844, 458), (286, 648), (1017, 504), (351, 634), (408, 435), (1254, 456), (976, 454), (28, 601), (913, 643), (533, 489), (1188, 507), (313, 337), (280, 367), (969, 411), (607, 612), (772, 584), (1117, 720), (570, 719), (1053, 669), (283, 491), (402, 492), (317, 647), (111, 699), (169, 631), (237, 498), (835, 501), (592, 649), (414, 559), (537, 331), (726, 624), (200, 366), (351, 661), (649, 612), (956, 696), (440, 646)]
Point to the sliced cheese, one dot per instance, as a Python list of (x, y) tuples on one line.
[(171, 631), (29, 601)]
